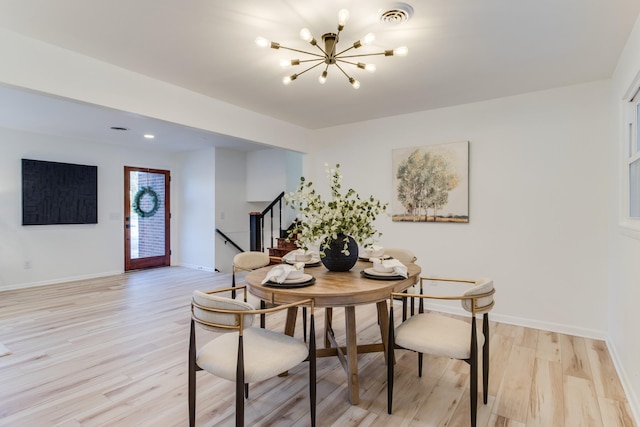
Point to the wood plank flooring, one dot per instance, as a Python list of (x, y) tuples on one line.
[(113, 352)]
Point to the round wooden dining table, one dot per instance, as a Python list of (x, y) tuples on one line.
[(338, 289)]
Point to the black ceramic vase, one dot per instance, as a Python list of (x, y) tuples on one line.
[(335, 260)]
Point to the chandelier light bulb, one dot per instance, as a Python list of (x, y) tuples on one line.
[(305, 35), (343, 16), (368, 67), (288, 79), (354, 83), (368, 39), (323, 77), (401, 51), (286, 63), (262, 42)]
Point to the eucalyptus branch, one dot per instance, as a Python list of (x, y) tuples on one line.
[(319, 221)]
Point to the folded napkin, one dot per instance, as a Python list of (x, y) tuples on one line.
[(399, 268), (291, 256), (279, 273)]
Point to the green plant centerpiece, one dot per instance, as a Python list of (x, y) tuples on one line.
[(335, 225)]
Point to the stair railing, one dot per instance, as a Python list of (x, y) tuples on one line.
[(227, 239), (256, 224)]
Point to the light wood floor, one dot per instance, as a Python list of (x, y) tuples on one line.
[(113, 352)]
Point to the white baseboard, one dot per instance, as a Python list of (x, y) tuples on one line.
[(198, 267), (529, 323), (59, 280), (632, 398)]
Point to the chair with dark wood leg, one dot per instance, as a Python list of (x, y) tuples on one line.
[(446, 336), (404, 256), (243, 353), (247, 261), (252, 260)]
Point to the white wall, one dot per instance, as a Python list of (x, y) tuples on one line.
[(196, 222), (232, 213), (266, 174), (65, 252), (537, 186), (624, 254)]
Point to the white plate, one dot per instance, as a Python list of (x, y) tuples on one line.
[(373, 272), (366, 258), (310, 262), (304, 278)]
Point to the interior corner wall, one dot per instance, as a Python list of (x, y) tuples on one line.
[(537, 184), (196, 221), (232, 209), (624, 247), (35, 255)]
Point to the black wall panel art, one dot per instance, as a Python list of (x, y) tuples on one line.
[(59, 193)]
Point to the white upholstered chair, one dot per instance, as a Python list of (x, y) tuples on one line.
[(247, 261), (252, 260), (244, 353), (446, 336), (404, 256)]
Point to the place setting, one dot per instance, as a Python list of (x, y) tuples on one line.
[(373, 251), (385, 269), (288, 276), (308, 258)]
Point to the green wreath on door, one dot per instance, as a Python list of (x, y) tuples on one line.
[(154, 199)]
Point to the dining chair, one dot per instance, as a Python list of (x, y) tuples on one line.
[(252, 260), (446, 336), (404, 256), (247, 261), (244, 353)]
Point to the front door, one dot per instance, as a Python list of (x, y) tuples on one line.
[(146, 218)]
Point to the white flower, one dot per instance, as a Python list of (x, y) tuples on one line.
[(320, 221)]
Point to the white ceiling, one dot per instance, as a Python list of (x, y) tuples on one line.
[(460, 51)]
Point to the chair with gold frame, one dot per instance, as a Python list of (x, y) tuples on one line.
[(404, 256), (446, 336), (244, 353), (247, 261)]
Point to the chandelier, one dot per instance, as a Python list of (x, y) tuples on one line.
[(330, 54)]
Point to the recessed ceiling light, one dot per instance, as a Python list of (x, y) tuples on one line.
[(149, 136)]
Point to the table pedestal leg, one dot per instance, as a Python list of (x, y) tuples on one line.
[(352, 355), (290, 323)]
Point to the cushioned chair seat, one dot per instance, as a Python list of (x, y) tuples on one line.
[(438, 335), (266, 354), (445, 336)]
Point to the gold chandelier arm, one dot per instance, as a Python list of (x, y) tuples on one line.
[(347, 62), (303, 51), (347, 49), (310, 60), (312, 67), (333, 49), (343, 72), (368, 54)]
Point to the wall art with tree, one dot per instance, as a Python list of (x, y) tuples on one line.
[(431, 183)]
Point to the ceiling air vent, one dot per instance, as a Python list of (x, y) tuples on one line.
[(397, 14)]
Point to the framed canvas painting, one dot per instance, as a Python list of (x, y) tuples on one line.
[(431, 183)]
